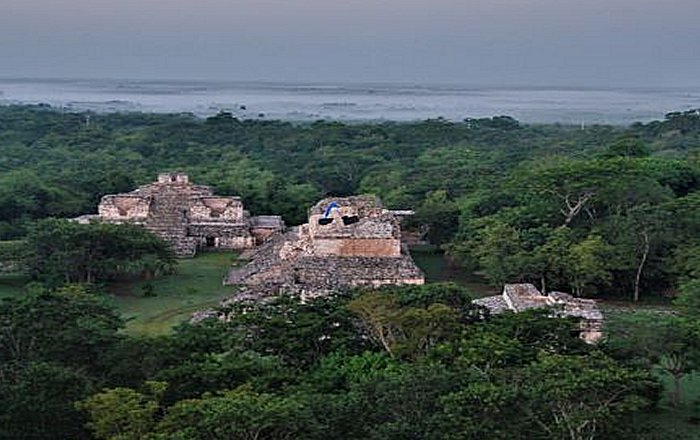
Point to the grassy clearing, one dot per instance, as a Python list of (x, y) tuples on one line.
[(196, 285)]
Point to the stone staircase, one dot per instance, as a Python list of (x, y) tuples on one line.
[(167, 218)]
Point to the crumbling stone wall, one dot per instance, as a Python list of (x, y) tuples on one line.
[(358, 247), (525, 296), (318, 258), (356, 227), (124, 207), (169, 178), (226, 236), (261, 235), (356, 271), (216, 208), (188, 216)]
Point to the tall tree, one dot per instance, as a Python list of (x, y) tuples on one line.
[(60, 252)]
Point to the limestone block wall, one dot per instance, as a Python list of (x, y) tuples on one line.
[(224, 236), (124, 207), (262, 227), (363, 205), (366, 227), (236, 242), (357, 271), (391, 282), (229, 243), (213, 208), (262, 234), (173, 178), (357, 247), (185, 246)]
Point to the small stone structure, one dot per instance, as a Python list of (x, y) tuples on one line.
[(520, 297), (347, 242), (188, 216)]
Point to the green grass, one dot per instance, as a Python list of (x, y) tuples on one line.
[(196, 285)]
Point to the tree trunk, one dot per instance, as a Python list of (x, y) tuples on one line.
[(643, 261), (573, 208), (543, 283), (385, 338), (676, 393)]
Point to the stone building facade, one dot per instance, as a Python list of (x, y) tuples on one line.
[(347, 242), (190, 217)]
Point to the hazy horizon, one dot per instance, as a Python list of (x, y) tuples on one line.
[(349, 83), (506, 43), (354, 102)]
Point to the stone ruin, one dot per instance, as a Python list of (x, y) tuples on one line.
[(347, 242), (188, 216), (520, 297)]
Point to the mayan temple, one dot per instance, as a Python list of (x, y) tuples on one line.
[(347, 242), (189, 217)]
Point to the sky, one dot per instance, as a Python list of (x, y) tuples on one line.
[(469, 42)]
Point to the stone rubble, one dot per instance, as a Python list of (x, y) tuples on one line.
[(521, 297)]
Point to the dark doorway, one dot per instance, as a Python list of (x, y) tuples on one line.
[(350, 219), (210, 242)]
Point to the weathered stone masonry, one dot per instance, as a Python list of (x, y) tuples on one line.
[(188, 216), (521, 297), (357, 243)]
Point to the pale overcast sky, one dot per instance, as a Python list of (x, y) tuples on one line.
[(495, 42)]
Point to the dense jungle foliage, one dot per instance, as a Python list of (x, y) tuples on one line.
[(602, 210), (397, 363), (605, 211)]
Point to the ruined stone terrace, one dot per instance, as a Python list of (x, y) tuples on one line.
[(347, 242), (521, 297)]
